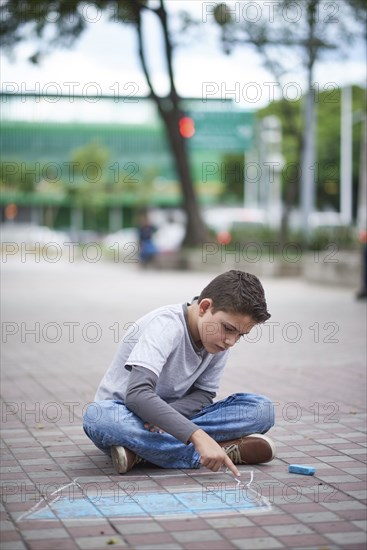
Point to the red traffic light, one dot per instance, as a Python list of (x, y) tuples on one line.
[(186, 127)]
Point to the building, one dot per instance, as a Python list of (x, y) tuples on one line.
[(90, 162)]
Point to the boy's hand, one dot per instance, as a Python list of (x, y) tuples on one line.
[(152, 428), (212, 455)]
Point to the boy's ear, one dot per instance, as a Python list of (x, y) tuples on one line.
[(205, 304)]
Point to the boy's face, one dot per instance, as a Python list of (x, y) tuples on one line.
[(220, 330)]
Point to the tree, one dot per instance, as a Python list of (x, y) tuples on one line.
[(69, 24), (296, 35), (327, 143)]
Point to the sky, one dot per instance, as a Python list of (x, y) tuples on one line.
[(104, 60)]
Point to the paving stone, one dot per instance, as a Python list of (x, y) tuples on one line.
[(292, 454), (152, 538), (6, 525), (138, 527), (13, 545), (274, 519), (344, 505), (315, 517), (355, 470), (331, 440), (190, 524), (45, 453), (62, 544), (334, 458), (266, 543), (355, 451), (196, 536), (360, 495), (222, 523), (338, 478), (10, 536), (91, 529), (36, 534), (245, 532), (93, 543), (336, 526), (290, 529), (169, 546), (353, 515), (362, 524), (303, 540), (214, 545), (357, 537)]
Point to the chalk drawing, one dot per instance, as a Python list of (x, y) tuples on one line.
[(213, 495)]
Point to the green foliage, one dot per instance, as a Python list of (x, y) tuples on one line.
[(222, 14), (245, 233), (58, 23), (93, 152), (342, 238), (232, 178), (327, 169), (91, 160), (27, 177), (12, 178)]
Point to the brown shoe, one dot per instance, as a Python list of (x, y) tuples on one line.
[(250, 449), (123, 459)]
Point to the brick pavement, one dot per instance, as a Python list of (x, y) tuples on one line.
[(61, 322)]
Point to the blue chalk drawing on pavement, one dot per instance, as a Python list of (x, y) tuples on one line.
[(207, 499)]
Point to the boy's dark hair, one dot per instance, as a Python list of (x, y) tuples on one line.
[(237, 292)]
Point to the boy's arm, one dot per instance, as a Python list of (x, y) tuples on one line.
[(212, 456), (145, 403), (142, 400), (193, 402)]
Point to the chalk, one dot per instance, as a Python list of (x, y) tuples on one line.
[(300, 469), (238, 481)]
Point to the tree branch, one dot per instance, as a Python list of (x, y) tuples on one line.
[(154, 96), (162, 14)]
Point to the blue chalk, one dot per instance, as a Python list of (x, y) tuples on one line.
[(299, 469)]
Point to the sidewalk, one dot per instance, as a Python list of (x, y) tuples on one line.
[(60, 326)]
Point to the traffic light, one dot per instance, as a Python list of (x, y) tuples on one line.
[(186, 127)]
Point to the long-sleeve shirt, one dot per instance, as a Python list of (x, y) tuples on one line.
[(160, 374)]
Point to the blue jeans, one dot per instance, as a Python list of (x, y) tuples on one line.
[(109, 423)]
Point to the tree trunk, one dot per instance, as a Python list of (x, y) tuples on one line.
[(293, 185), (196, 232), (170, 112), (289, 202), (309, 168)]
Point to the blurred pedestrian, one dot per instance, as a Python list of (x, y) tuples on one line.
[(147, 249), (362, 293)]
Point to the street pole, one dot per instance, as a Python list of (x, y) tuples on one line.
[(271, 138), (346, 156), (309, 171)]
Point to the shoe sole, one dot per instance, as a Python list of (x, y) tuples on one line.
[(119, 459), (269, 445)]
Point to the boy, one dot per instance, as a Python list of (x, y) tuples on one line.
[(155, 402)]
